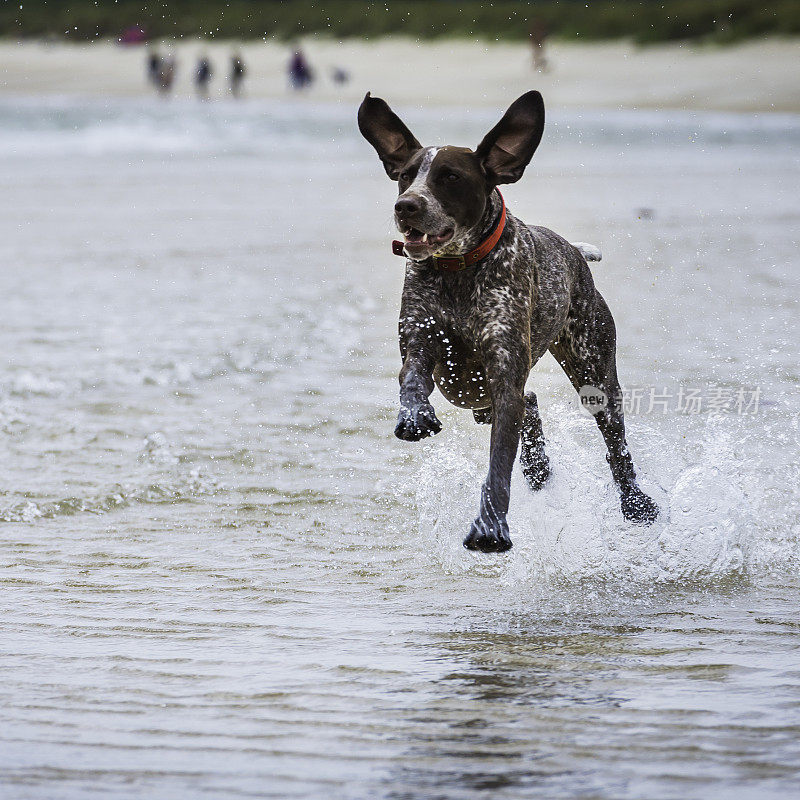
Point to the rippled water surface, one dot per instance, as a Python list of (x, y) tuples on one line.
[(220, 574)]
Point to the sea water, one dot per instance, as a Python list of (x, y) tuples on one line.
[(222, 576)]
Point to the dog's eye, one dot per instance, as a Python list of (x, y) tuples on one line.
[(452, 177), (404, 176)]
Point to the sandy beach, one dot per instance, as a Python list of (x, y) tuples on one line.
[(758, 76)]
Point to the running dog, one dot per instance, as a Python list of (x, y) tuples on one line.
[(485, 296)]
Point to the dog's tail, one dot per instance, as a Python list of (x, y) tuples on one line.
[(589, 251)]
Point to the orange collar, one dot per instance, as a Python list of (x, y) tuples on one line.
[(457, 263)]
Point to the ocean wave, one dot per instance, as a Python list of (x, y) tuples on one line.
[(56, 125), (193, 485)]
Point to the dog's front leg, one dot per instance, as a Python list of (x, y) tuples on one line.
[(489, 532), (417, 419)]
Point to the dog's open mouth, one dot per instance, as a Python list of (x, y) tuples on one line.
[(417, 241)]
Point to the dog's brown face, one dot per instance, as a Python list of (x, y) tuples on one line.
[(443, 195), (444, 191)]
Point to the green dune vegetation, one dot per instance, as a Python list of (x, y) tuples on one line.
[(645, 21)]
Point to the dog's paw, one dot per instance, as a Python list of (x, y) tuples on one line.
[(536, 470), (638, 507), (417, 423), (489, 536)]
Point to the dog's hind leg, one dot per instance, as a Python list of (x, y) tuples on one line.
[(586, 350), (532, 458)]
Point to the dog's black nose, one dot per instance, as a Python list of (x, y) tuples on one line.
[(408, 205)]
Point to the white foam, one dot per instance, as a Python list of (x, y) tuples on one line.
[(719, 516)]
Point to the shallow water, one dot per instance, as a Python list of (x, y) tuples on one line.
[(222, 576)]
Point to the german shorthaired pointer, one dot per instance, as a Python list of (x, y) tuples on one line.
[(484, 297)]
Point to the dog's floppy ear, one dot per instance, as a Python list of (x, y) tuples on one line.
[(385, 131), (508, 147)]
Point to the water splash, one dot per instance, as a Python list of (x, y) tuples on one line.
[(730, 504)]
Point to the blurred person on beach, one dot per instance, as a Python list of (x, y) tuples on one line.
[(132, 36), (340, 76), (300, 74), (202, 76), (538, 36), (166, 74), (153, 68), (238, 72)]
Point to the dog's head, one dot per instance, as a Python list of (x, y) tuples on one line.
[(444, 191)]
